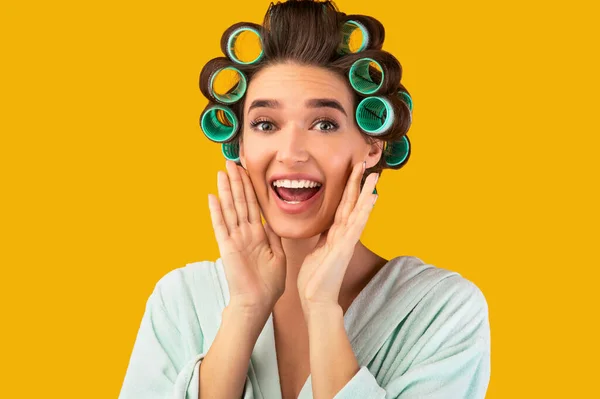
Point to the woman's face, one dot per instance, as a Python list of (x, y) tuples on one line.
[(299, 125)]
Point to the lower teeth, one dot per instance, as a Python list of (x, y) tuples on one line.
[(292, 202)]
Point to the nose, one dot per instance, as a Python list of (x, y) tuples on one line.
[(292, 145)]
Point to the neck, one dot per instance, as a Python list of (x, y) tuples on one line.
[(360, 266), (296, 251)]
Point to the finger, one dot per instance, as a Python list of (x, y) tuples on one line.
[(358, 220), (366, 199), (226, 201), (237, 189), (350, 194), (344, 201), (216, 216), (253, 208)]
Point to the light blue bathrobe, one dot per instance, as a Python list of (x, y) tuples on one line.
[(417, 331)]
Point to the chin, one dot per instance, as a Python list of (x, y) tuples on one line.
[(297, 229)]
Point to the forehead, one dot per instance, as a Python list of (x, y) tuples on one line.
[(291, 84)]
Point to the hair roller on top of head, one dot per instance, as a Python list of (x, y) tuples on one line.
[(348, 29), (230, 43), (396, 153), (219, 123), (221, 82), (366, 26), (371, 72), (407, 99), (231, 151), (375, 115), (235, 93), (362, 80)]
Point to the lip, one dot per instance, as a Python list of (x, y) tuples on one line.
[(295, 208)]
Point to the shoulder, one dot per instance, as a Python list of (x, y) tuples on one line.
[(456, 305), (183, 289), (409, 273), (435, 333), (185, 277), (410, 292), (456, 291), (449, 307), (437, 299)]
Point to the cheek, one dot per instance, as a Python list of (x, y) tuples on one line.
[(338, 171), (255, 156), (335, 190)]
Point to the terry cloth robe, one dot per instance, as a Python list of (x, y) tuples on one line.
[(417, 331)]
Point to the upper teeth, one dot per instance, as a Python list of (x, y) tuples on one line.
[(296, 183)]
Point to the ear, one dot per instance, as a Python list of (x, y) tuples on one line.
[(375, 153)]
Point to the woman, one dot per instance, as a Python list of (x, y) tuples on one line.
[(299, 307)]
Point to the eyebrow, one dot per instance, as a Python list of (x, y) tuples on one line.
[(313, 103), (325, 103)]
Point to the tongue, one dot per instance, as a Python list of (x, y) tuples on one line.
[(296, 194)]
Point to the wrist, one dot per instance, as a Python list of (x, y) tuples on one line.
[(318, 313), (251, 309), (249, 315)]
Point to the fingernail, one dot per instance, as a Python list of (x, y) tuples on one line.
[(376, 177), (375, 200), (364, 166)]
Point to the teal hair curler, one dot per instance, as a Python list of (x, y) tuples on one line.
[(231, 151), (406, 98), (347, 29), (397, 152), (235, 93), (219, 123), (231, 45), (360, 78), (375, 115)]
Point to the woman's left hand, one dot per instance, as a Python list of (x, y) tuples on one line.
[(322, 272)]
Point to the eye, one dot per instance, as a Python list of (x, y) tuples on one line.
[(266, 125), (327, 125)]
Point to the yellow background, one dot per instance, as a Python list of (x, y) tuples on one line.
[(105, 176)]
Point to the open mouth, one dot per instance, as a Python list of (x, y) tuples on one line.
[(295, 195)]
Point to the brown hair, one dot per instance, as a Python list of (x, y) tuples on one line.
[(309, 32)]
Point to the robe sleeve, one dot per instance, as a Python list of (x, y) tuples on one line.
[(452, 352), (162, 365)]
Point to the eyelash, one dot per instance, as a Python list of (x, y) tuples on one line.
[(255, 123)]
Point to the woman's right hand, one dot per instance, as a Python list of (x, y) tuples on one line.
[(252, 255)]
